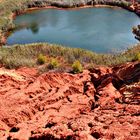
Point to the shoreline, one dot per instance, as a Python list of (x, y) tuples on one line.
[(73, 8)]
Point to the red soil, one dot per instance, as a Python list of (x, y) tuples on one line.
[(101, 103)]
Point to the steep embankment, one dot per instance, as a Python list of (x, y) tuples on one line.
[(99, 103)]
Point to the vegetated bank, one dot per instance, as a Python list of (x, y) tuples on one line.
[(28, 55), (9, 8)]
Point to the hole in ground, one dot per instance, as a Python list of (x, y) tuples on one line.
[(90, 124), (50, 124), (70, 137), (95, 135), (14, 129)]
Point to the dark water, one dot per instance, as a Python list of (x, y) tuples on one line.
[(101, 30)]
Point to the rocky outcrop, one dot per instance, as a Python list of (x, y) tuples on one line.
[(126, 4), (78, 3), (136, 7), (100, 103), (136, 31)]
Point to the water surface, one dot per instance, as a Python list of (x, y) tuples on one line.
[(102, 30)]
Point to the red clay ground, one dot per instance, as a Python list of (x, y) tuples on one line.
[(101, 103)]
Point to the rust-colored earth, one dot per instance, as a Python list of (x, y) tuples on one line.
[(101, 103)]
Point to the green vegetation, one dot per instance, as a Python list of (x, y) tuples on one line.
[(53, 64), (41, 59), (27, 55), (32, 55), (137, 56), (77, 67)]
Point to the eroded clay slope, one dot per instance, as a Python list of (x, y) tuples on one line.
[(101, 103)]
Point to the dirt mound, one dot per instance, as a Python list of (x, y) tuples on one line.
[(101, 103)]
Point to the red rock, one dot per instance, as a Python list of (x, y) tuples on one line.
[(86, 106)]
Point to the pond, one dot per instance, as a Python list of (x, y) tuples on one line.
[(103, 30)]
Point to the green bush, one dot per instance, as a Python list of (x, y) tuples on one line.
[(77, 67), (41, 59), (138, 57), (53, 64)]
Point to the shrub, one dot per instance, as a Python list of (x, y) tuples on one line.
[(77, 67), (138, 57), (53, 64), (41, 59)]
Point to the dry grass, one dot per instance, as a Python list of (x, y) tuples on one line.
[(27, 55)]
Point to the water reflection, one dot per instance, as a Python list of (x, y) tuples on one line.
[(34, 27)]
